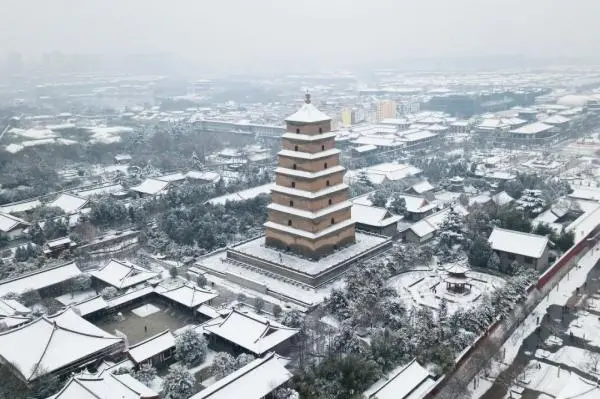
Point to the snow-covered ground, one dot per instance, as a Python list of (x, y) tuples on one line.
[(416, 287)]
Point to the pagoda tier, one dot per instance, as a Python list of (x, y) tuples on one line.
[(310, 212)]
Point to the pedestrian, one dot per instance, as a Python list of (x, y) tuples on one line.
[(146, 329)]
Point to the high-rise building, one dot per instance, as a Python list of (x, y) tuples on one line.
[(347, 117), (386, 109), (310, 212)]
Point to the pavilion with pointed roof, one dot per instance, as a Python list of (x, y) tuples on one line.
[(457, 280), (56, 344)]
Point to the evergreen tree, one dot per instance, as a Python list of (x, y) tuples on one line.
[(480, 252), (398, 205), (190, 348), (223, 365), (378, 198), (146, 374), (178, 383)]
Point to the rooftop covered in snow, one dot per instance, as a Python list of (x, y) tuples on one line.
[(122, 274), (150, 347), (253, 381), (105, 386), (151, 187), (54, 343), (251, 331), (39, 279), (69, 203), (411, 381), (308, 113), (9, 223), (519, 243), (186, 294)]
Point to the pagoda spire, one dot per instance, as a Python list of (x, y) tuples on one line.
[(307, 97)]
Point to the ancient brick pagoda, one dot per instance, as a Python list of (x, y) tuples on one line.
[(310, 212)]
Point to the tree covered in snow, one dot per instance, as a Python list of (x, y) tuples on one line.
[(178, 383), (293, 318), (108, 292), (363, 178), (480, 252), (81, 283), (346, 341), (378, 198), (243, 359), (531, 202), (108, 212), (146, 374), (285, 393), (451, 229), (190, 348), (223, 365), (397, 205), (404, 257)]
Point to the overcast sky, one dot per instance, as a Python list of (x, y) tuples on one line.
[(220, 33)]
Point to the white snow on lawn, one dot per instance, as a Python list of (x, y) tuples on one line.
[(145, 310)]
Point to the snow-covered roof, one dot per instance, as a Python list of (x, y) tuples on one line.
[(10, 222), (173, 177), (365, 148), (106, 385), (206, 175), (102, 190), (308, 137), (39, 279), (587, 193), (151, 186), (243, 195), (516, 242), (22, 206), (432, 223), (373, 216), (311, 236), (502, 198), (309, 175), (152, 346), (53, 342), (309, 194), (122, 274), (480, 199), (411, 381), (90, 305), (58, 242), (556, 120), (532, 128), (186, 294), (422, 187), (251, 331), (308, 214), (69, 203), (416, 136), (130, 296), (14, 321), (10, 307), (253, 381), (377, 174), (308, 113), (309, 155)]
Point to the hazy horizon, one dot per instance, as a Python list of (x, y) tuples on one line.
[(269, 34)]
